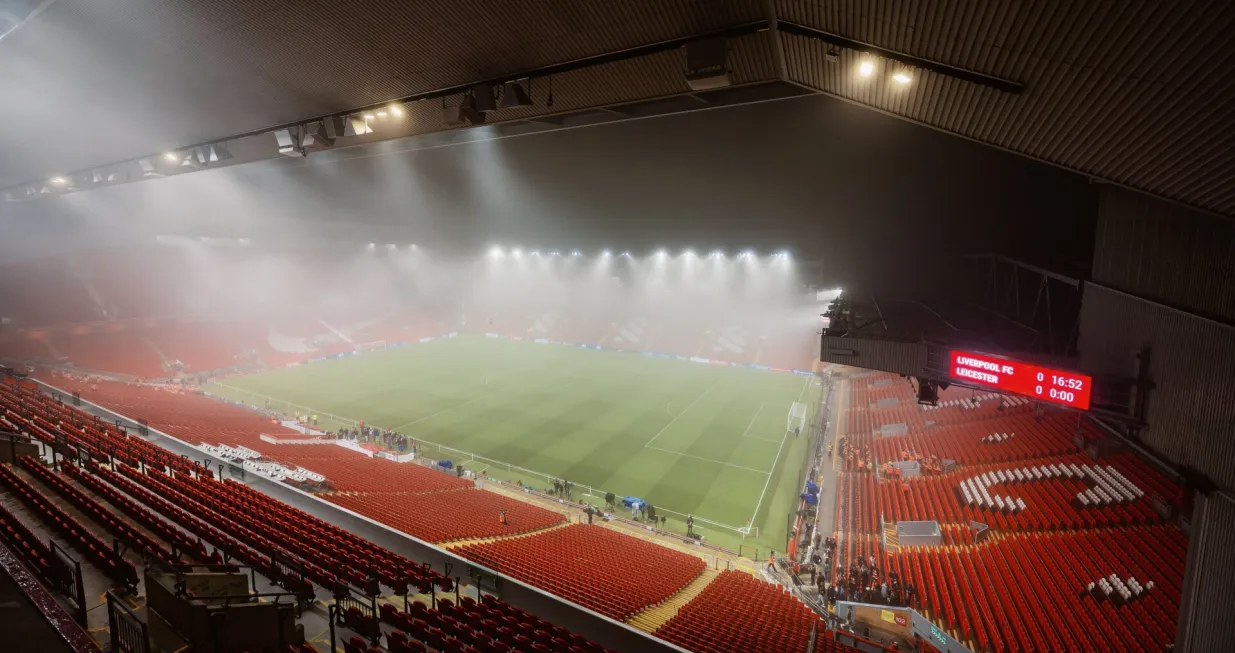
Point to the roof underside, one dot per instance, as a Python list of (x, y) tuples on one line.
[(1135, 93)]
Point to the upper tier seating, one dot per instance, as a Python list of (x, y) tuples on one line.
[(43, 292), (448, 516), (1026, 501), (1002, 439), (121, 352), (200, 347), (611, 573), (738, 612)]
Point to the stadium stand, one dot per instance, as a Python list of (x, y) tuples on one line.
[(120, 352), (738, 612), (611, 573), (1073, 540), (448, 516)]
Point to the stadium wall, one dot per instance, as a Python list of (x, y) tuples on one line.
[(1165, 252), (1209, 584), (1191, 408)]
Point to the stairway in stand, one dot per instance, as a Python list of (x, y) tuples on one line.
[(891, 542), (458, 543), (650, 619)]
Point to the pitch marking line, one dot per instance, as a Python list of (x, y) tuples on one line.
[(752, 423), (755, 514), (710, 460), (684, 411), (444, 410)]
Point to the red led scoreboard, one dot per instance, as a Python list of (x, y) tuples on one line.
[(1056, 386)]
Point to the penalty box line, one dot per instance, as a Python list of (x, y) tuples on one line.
[(710, 460)]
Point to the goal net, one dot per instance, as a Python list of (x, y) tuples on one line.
[(797, 416)]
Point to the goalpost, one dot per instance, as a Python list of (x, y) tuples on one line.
[(797, 416)]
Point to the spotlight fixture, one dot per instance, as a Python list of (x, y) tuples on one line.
[(59, 181), (717, 254), (575, 253), (535, 253), (396, 111), (495, 252), (866, 68), (605, 253), (626, 254), (903, 77), (748, 255), (516, 252), (369, 116), (660, 254), (381, 113), (690, 253), (515, 95), (171, 156)]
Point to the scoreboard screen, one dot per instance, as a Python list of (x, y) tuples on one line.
[(1056, 386)]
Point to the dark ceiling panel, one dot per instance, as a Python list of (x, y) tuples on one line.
[(1135, 93), (1131, 92)]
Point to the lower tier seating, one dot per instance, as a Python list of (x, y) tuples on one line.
[(1029, 592), (738, 612), (611, 573), (447, 516), (102, 556), (490, 625)]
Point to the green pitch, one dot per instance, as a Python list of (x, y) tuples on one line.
[(707, 440)]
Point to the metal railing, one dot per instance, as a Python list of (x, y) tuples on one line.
[(129, 634)]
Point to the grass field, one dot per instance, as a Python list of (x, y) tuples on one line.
[(707, 440)]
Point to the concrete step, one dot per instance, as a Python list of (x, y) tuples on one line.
[(652, 618)]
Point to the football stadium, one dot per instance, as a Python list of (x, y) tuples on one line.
[(675, 327)]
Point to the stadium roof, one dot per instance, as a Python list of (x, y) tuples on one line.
[(1128, 92)]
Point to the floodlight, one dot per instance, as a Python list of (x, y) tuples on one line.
[(381, 113), (605, 253), (495, 252), (369, 116), (689, 253), (660, 253), (535, 253), (575, 253), (903, 76), (372, 245), (555, 253), (59, 181), (171, 156), (717, 254), (396, 110), (866, 68), (748, 254), (391, 246)]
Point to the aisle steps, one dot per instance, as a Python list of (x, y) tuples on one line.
[(650, 619)]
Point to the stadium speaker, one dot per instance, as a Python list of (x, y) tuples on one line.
[(149, 168), (928, 392), (289, 142), (468, 112), (705, 64), (515, 95), (483, 100), (315, 136)]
